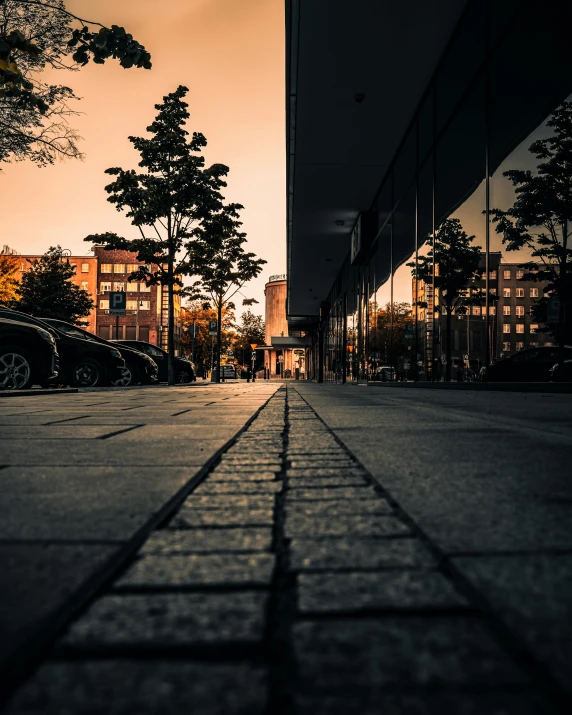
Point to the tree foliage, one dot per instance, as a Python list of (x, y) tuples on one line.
[(198, 314), (40, 34), (541, 218), (387, 330), (167, 202), (47, 291), (457, 264), (9, 268), (249, 331)]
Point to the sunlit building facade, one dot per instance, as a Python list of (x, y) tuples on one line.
[(401, 116)]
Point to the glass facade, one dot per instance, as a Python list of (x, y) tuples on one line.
[(392, 313)]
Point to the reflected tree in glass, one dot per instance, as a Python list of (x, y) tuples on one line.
[(541, 220), (457, 264)]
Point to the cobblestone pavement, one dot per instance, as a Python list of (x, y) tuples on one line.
[(290, 582)]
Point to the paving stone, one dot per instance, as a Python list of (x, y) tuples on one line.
[(148, 687), (239, 487), (336, 655), (358, 553), (187, 541), (173, 619), (238, 501), (247, 467), (374, 701), (344, 524), (332, 471), (188, 518), (333, 508), (235, 476), (301, 492), (327, 592), (320, 482), (244, 570)]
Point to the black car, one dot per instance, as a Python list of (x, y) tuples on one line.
[(138, 366), (528, 365), (184, 369), (28, 355), (561, 373), (83, 363)]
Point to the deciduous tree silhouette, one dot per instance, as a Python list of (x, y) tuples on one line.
[(541, 219), (457, 264), (9, 268), (40, 34)]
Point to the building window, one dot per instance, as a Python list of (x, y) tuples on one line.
[(534, 327), (533, 344), (506, 274), (131, 305), (520, 346), (85, 267), (506, 292), (132, 287), (548, 344), (520, 310), (506, 327), (519, 274), (145, 305), (506, 347), (106, 268), (520, 292), (144, 288), (104, 287), (492, 275), (520, 328), (476, 310), (534, 292), (119, 267), (492, 310), (132, 267), (104, 304), (119, 286), (493, 291), (506, 310)]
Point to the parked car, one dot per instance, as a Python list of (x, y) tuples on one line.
[(385, 373), (83, 363), (528, 365), (28, 355), (138, 366), (228, 372), (562, 373), (184, 369)]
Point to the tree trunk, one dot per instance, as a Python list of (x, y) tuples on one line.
[(448, 345), (563, 295), (171, 324), (216, 374)]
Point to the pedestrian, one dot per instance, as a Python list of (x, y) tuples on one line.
[(248, 374)]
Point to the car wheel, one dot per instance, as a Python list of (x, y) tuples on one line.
[(15, 368), (183, 377), (87, 373), (128, 377)]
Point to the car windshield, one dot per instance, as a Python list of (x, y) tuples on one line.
[(73, 332)]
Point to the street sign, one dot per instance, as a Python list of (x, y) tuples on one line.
[(406, 365), (117, 302), (298, 352), (213, 327), (230, 353), (253, 346), (465, 356)]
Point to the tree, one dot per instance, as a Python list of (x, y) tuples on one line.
[(9, 268), (457, 263), (171, 198), (40, 34), (222, 265), (541, 219), (46, 290), (388, 331), (199, 314), (249, 331)]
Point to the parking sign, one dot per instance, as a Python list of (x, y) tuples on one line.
[(213, 327), (117, 302)]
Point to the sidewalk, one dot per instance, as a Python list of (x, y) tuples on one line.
[(354, 551)]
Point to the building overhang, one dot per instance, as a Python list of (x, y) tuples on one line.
[(355, 74), (288, 342)]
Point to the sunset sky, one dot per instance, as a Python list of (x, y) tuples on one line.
[(230, 54)]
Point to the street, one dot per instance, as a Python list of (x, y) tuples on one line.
[(353, 549)]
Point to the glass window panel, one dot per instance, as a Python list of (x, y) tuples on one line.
[(425, 126), (405, 165)]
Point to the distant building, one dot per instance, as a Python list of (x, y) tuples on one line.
[(147, 310), (284, 351)]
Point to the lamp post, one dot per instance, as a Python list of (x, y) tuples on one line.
[(253, 347)]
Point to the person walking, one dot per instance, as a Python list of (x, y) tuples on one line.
[(248, 373)]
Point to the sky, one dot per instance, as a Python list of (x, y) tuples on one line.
[(230, 54)]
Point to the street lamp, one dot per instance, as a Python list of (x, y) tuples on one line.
[(253, 347)]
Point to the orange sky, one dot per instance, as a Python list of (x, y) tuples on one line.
[(230, 53)]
